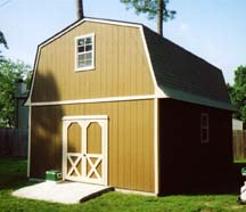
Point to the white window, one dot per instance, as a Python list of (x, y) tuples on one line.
[(84, 52), (204, 128)]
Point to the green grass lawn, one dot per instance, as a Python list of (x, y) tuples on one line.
[(12, 176), (242, 161)]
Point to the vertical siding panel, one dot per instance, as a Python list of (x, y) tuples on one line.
[(44, 73), (117, 59), (112, 147), (54, 64), (140, 147), (127, 68), (127, 145), (107, 78), (97, 79), (70, 66), (117, 140), (114, 65), (134, 70), (109, 64), (104, 76), (122, 138), (65, 71), (149, 142), (133, 145), (141, 77), (130, 140), (53, 56), (45, 66), (61, 90), (121, 64), (38, 82), (141, 63)]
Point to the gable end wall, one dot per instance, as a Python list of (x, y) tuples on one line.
[(122, 67)]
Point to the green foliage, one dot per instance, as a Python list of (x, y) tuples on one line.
[(2, 42), (10, 73), (150, 7), (238, 92)]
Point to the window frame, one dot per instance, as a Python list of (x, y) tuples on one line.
[(204, 127), (92, 66)]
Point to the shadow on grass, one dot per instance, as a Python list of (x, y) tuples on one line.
[(14, 182), (228, 183), (13, 176), (13, 173)]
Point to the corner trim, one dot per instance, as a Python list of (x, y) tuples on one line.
[(29, 142), (156, 145)]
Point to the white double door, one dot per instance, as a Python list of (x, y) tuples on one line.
[(85, 149)]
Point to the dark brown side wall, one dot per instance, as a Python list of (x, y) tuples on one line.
[(187, 165)]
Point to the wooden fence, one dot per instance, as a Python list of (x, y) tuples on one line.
[(13, 142), (239, 144)]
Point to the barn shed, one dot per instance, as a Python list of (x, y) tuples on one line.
[(114, 103)]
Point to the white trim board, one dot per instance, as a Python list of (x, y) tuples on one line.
[(96, 100), (127, 191), (29, 141), (156, 145), (85, 117)]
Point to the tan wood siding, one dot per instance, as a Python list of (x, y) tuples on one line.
[(121, 67), (74, 138), (94, 139), (130, 140)]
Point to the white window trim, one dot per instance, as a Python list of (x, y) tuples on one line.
[(204, 141), (92, 35)]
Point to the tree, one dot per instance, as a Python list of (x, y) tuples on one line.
[(80, 9), (10, 73), (154, 9), (238, 93), (2, 42)]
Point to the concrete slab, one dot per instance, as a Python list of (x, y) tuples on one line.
[(64, 192)]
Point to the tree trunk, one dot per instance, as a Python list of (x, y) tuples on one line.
[(80, 11), (160, 17)]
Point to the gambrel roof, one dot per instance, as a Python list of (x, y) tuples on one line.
[(176, 73), (183, 76)]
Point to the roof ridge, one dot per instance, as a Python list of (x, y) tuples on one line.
[(87, 18)]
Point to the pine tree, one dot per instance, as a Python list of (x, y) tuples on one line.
[(154, 9)]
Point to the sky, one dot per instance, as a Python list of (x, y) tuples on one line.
[(214, 30)]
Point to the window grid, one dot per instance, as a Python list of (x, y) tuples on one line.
[(204, 128), (84, 52)]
